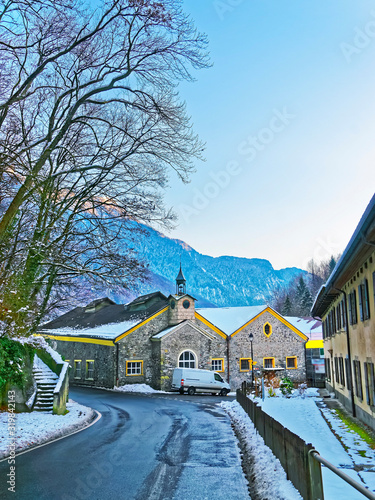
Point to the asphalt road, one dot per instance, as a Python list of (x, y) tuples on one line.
[(145, 447)]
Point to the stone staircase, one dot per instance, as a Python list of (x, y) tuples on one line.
[(46, 381)]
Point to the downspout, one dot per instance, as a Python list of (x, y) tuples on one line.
[(349, 353)]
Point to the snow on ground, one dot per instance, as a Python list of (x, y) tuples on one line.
[(302, 416), (139, 388), (269, 475), (32, 429)]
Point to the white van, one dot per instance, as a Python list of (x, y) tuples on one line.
[(193, 380)]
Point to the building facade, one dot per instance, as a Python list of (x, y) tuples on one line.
[(108, 344), (346, 304)]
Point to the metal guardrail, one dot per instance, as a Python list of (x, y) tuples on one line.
[(358, 486)]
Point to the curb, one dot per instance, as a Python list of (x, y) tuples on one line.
[(91, 419)]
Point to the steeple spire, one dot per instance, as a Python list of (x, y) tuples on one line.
[(180, 283)]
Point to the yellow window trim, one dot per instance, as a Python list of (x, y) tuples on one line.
[(250, 363), (269, 357), (295, 363), (128, 332), (207, 323), (264, 329), (77, 361), (222, 364), (89, 361), (134, 374), (79, 339), (277, 316)]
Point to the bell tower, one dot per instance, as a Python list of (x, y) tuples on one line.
[(180, 283), (181, 305)]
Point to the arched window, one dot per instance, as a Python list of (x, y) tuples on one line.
[(186, 360)]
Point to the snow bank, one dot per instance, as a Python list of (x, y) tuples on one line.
[(139, 388), (37, 428), (269, 475)]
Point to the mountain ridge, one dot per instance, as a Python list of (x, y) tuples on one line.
[(223, 281)]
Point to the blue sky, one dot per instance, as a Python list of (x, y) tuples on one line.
[(288, 116)]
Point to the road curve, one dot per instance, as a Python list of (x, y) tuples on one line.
[(145, 447)]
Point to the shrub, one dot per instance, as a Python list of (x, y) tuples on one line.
[(12, 357), (286, 386)]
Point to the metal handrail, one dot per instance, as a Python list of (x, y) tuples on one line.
[(358, 486)]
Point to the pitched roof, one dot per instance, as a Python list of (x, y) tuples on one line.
[(180, 276), (308, 325), (230, 319), (107, 322)]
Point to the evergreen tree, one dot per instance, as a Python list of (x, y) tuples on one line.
[(287, 307)]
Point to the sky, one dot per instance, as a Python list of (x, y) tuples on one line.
[(287, 112)]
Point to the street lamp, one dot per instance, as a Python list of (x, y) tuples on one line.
[(251, 338)]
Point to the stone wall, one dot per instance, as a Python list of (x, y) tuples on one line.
[(188, 338), (104, 362), (282, 342), (138, 346)]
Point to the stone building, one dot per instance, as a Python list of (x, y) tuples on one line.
[(346, 304), (108, 344)]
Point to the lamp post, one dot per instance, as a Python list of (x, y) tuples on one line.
[(251, 338)]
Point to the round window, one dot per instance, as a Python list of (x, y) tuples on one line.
[(173, 304), (186, 304)]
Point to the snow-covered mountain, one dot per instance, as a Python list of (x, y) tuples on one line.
[(213, 281)]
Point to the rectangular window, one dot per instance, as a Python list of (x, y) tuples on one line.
[(366, 300), (134, 367), (358, 379), (343, 313), (291, 362), (77, 368), (353, 308), (268, 362), (348, 374), (90, 369), (369, 383), (245, 364), (338, 317), (341, 371), (217, 364), (360, 302), (337, 369), (327, 363)]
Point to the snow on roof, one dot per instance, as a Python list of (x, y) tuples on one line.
[(109, 331), (309, 326), (230, 319), (165, 332)]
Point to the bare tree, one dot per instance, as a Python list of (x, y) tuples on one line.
[(90, 127)]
